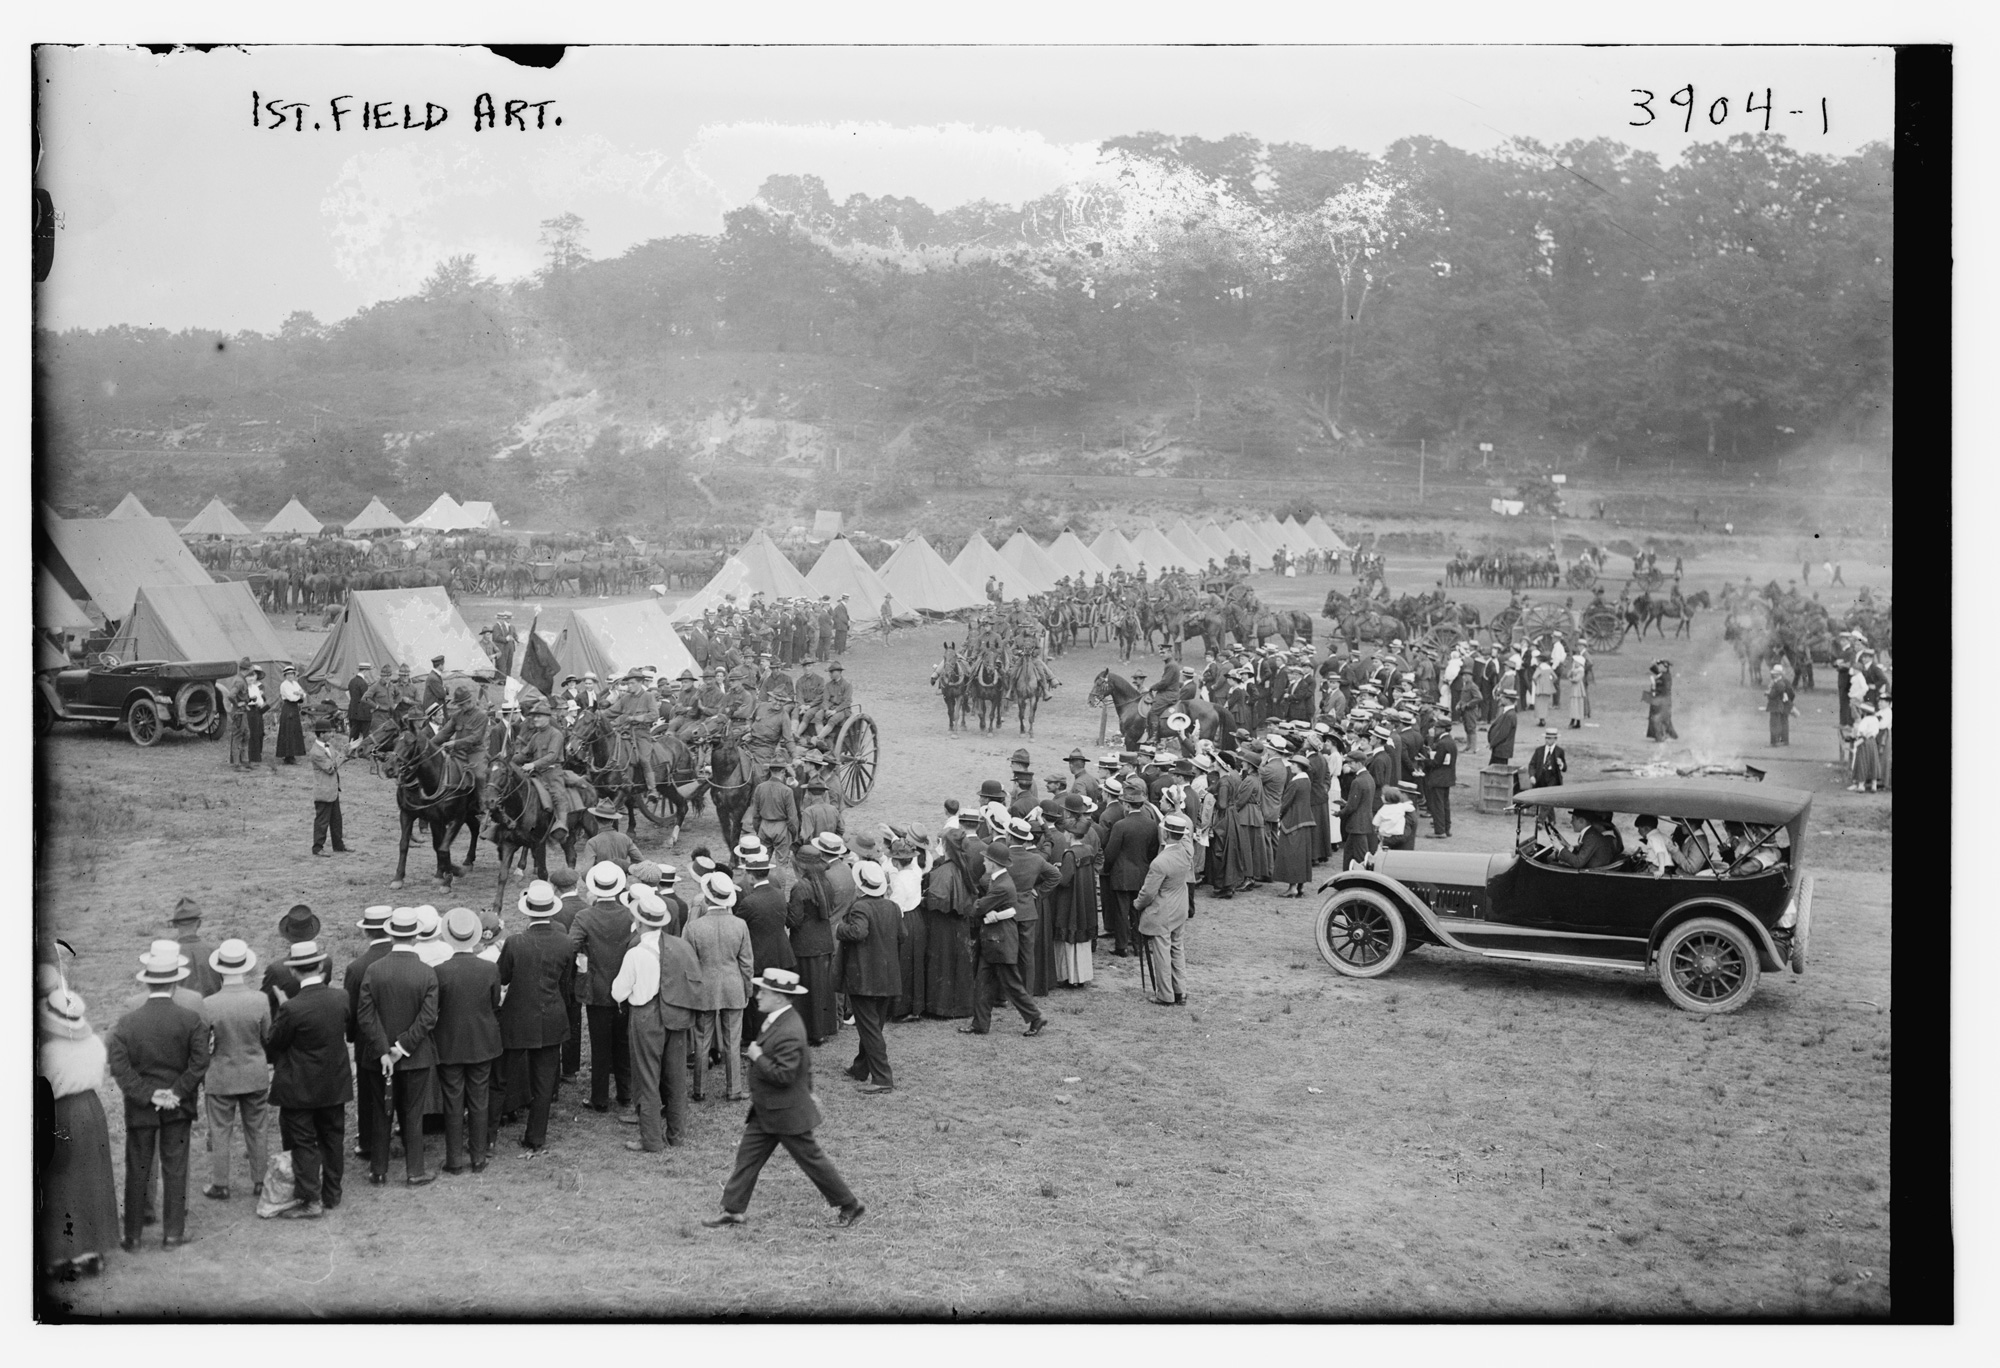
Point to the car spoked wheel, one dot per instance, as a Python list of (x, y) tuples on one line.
[(1708, 965), (1360, 933), (142, 721)]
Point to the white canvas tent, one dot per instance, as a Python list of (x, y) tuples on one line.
[(1216, 540), (620, 637), (399, 626), (977, 561), (1076, 559), (476, 515), (1317, 529), (293, 518), (1112, 548), (1183, 539), (760, 565), (56, 611), (441, 516), (376, 517), (1038, 571), (215, 520), (129, 507), (917, 575), (102, 563), (840, 570), (1158, 553), (1251, 544), (200, 622)]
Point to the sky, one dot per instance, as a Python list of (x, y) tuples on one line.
[(176, 211)]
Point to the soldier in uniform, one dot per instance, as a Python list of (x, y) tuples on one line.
[(812, 697), (774, 810), (841, 623), (504, 642), (839, 697), (464, 737), (539, 753)]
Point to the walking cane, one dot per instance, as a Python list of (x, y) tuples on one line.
[(1103, 718)]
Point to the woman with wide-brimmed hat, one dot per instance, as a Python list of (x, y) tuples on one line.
[(291, 730), (76, 1196)]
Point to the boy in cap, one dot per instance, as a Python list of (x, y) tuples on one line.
[(239, 1078), (783, 1110), (311, 1080), (467, 1040), (158, 1054), (328, 753)]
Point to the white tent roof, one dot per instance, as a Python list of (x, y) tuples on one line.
[(760, 565), (103, 562), (1038, 571), (215, 520), (1112, 548), (1158, 553), (917, 575), (1182, 537), (55, 610), (1215, 539), (477, 513), (129, 507), (441, 516), (977, 561), (374, 518), (840, 570), (1285, 534), (293, 518), (1076, 559), (620, 637), (1317, 529), (1251, 543)]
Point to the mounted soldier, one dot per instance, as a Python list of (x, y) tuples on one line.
[(464, 737)]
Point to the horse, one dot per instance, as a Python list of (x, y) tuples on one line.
[(434, 787), (989, 691), (523, 824), (1028, 689), (1205, 719), (1683, 616), (951, 678), (611, 762), (1125, 700), (1127, 630), (730, 780)]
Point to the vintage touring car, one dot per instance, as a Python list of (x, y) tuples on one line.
[(1706, 934), (145, 697)]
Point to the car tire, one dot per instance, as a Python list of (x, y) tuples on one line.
[(1360, 933), (45, 716), (1802, 929), (1708, 965), (142, 722), (195, 705)]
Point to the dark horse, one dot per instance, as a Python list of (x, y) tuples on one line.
[(952, 679), (989, 692), (1134, 709), (434, 787), (611, 762), (523, 824), (730, 780), (1028, 689)]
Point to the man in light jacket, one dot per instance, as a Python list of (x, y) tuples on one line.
[(239, 1076), (1163, 911), (721, 942), (659, 982)]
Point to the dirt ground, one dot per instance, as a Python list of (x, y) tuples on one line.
[(1461, 1138)]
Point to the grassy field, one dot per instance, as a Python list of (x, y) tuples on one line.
[(1462, 1138)]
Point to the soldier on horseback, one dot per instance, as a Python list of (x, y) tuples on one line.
[(538, 752), (463, 737)]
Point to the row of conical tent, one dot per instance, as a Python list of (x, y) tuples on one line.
[(215, 520), (916, 579)]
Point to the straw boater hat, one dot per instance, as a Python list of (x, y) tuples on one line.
[(604, 882), (233, 957), (870, 879), (304, 954), (404, 924), (539, 902), (648, 908), (430, 922), (375, 918), (829, 844), (1175, 825), (779, 981), (718, 890), (461, 928), (162, 965), (1178, 722)]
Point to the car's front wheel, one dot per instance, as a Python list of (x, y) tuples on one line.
[(142, 721), (1708, 965), (1360, 933)]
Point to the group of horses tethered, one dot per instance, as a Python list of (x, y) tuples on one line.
[(664, 775)]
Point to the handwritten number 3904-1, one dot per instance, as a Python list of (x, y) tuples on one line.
[(1718, 109)]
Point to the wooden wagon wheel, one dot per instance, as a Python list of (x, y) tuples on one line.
[(1605, 629), (1445, 636), (856, 749), (1501, 624)]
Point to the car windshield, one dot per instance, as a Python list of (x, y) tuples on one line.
[(1667, 846)]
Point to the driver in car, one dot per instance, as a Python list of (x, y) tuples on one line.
[(1597, 844)]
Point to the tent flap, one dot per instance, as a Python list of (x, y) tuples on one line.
[(388, 627)]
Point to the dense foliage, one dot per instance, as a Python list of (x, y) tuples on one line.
[(1248, 296)]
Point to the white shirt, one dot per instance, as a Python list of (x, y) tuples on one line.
[(771, 1017), (434, 952), (1389, 819), (638, 980), (290, 691), (906, 885)]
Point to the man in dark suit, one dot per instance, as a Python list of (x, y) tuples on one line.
[(360, 707), (1440, 775), (783, 1110), (434, 694), (996, 949), (1129, 848), (370, 1107), (398, 1011), (658, 981), (186, 921), (1357, 810), (1548, 761), (311, 1080), (599, 933), (539, 971), (158, 1053), (1034, 877), (467, 1039), (1597, 844), (1500, 731), (762, 908), (871, 939)]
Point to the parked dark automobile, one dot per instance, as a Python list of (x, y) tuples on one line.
[(145, 697), (1707, 934)]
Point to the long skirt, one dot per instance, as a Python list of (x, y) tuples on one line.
[(1073, 962), (256, 737), (1578, 705), (1322, 828), (1660, 718), (1293, 862), (818, 1009), (1228, 859), (916, 940), (947, 972), (79, 1196), (1866, 760), (1259, 843), (291, 736)]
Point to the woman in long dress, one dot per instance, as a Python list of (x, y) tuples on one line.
[(909, 862), (1578, 692), (1292, 861), (810, 914), (291, 734), (259, 704), (1071, 906), (77, 1197), (950, 890)]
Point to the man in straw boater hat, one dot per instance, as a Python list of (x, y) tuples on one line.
[(158, 1054), (538, 970), (721, 942), (1163, 906), (311, 1080), (598, 934), (657, 982), (871, 935), (239, 1076), (467, 1040), (370, 1110), (399, 1009), (783, 1110)]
